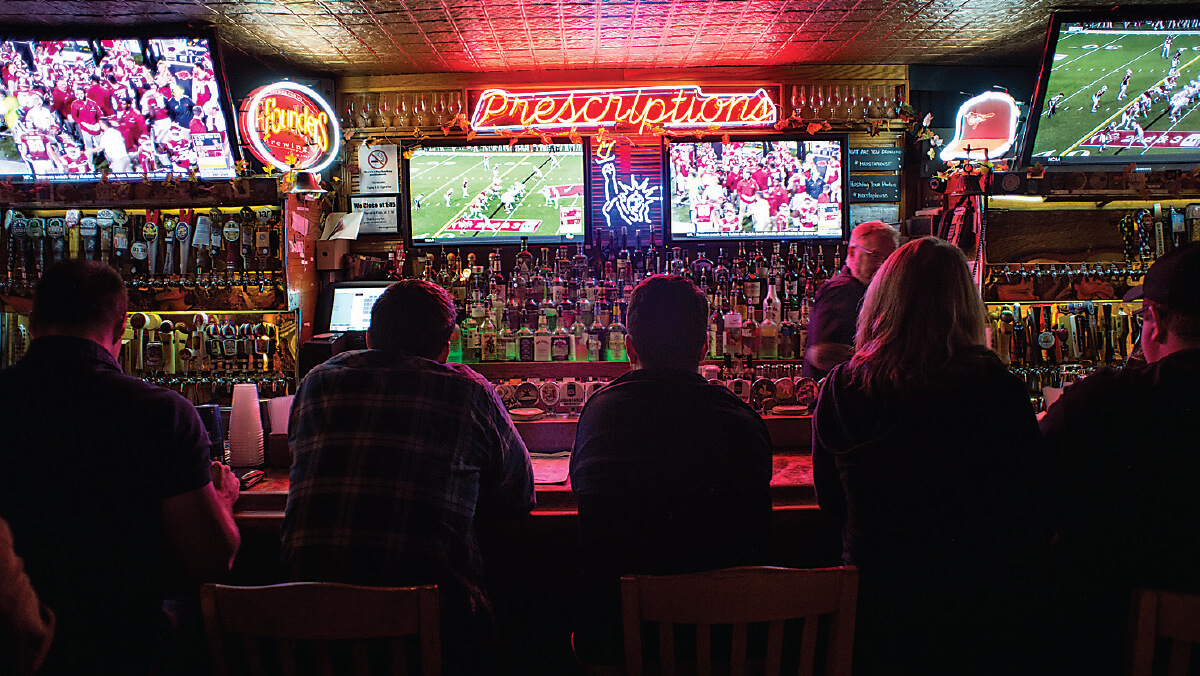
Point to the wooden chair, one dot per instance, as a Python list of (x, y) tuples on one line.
[(323, 628), (1169, 615), (739, 597)]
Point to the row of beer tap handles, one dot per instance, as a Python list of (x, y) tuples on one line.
[(202, 348), (156, 251), (1113, 271), (1061, 333)]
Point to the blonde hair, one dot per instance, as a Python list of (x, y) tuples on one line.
[(920, 311)]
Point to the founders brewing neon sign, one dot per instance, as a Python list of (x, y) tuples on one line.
[(287, 123), (641, 109)]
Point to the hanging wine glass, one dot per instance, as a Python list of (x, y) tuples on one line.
[(796, 101), (818, 100), (348, 116), (443, 111), (898, 100), (385, 111), (869, 101), (424, 118), (851, 101), (835, 99), (403, 112), (365, 112), (803, 100), (456, 108)]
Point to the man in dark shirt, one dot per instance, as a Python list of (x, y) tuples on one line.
[(1125, 466), (398, 457), (106, 481), (834, 314), (672, 474)]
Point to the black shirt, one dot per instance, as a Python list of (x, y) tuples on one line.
[(1125, 461), (833, 316), (672, 475), (89, 455)]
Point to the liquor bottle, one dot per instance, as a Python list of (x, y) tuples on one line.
[(507, 347), (741, 304), (549, 310), (768, 337), (558, 289), (616, 339), (524, 265), (702, 268), (597, 337), (560, 344), (579, 263), (721, 274), (579, 338), (531, 311), (638, 260), (586, 310), (497, 283), (488, 340), (802, 329), (787, 340), (750, 335), (772, 306), (733, 328), (455, 345), (622, 262), (537, 284), (470, 336), (716, 332), (541, 341), (791, 279), (525, 343)]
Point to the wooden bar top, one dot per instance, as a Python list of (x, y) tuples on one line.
[(549, 439)]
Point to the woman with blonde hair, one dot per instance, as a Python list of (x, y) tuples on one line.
[(926, 452)]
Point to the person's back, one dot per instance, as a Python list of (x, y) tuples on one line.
[(98, 467), (945, 524), (1125, 461), (398, 459), (672, 474)]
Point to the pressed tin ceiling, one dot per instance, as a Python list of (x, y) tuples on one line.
[(374, 37)]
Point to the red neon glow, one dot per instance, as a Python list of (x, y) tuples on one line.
[(642, 109)]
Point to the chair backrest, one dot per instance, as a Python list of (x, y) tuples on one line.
[(322, 627), (822, 599), (1169, 615)]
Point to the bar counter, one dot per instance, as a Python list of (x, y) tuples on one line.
[(531, 563), (549, 440)]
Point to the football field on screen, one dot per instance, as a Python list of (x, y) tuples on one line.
[(1085, 62), (434, 172)]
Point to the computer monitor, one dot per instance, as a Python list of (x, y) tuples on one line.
[(346, 306)]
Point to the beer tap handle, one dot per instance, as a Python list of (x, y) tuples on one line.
[(56, 231), (36, 232), (183, 235), (150, 231), (74, 241)]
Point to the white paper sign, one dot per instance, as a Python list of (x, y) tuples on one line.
[(378, 213), (379, 170), (341, 225)]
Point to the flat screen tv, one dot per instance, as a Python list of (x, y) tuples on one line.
[(346, 306), (758, 187), (1118, 87), (496, 193), (79, 104)]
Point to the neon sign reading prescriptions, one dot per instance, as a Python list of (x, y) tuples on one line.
[(642, 109)]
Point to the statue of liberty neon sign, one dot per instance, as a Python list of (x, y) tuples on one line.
[(641, 109)]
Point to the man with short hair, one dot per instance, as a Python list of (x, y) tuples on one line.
[(834, 314), (1125, 465), (398, 458), (107, 483), (672, 474)]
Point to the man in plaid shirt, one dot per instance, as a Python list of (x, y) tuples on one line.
[(397, 456)]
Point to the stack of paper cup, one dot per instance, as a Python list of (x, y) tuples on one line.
[(245, 427)]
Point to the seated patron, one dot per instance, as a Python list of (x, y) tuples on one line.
[(26, 624), (1125, 462), (926, 450), (672, 474), (107, 482), (397, 459)]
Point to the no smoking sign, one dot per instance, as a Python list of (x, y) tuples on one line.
[(377, 159)]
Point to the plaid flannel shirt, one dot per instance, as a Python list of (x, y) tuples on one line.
[(396, 458)]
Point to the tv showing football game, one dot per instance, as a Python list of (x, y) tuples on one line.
[(1117, 88), (498, 193), (769, 187), (79, 107)]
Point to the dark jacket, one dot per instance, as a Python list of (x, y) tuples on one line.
[(938, 493)]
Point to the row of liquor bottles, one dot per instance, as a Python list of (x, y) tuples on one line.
[(614, 269), (1080, 332), (570, 311), (152, 249)]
